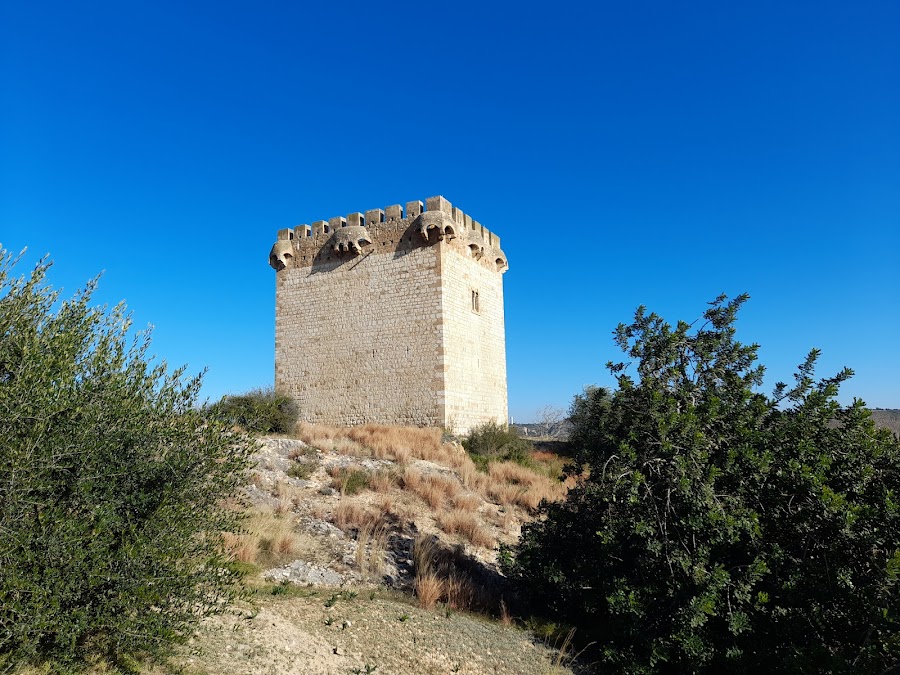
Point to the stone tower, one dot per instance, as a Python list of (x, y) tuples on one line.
[(392, 316)]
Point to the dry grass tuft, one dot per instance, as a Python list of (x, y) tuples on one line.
[(514, 474), (386, 508), (266, 538), (460, 592), (385, 440), (433, 489), (286, 543), (442, 574), (505, 483), (350, 515), (241, 547), (429, 589), (424, 554), (466, 502), (505, 520), (283, 506), (472, 478), (467, 525), (429, 586), (383, 480)]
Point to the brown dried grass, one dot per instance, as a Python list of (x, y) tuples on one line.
[(286, 544), (396, 443), (283, 506), (545, 456), (241, 547), (460, 591), (349, 515), (514, 474), (429, 589), (466, 502), (383, 480), (384, 440), (472, 478), (264, 535), (329, 439), (424, 554), (512, 484), (433, 489), (466, 525)]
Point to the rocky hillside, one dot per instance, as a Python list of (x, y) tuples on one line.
[(374, 549)]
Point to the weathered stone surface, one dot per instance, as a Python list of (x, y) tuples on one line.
[(281, 254), (350, 239), (410, 332), (302, 572)]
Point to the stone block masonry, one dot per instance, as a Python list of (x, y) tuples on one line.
[(394, 316)]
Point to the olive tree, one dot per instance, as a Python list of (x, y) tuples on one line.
[(112, 485), (721, 529)]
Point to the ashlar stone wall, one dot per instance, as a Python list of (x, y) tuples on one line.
[(474, 341), (392, 316)]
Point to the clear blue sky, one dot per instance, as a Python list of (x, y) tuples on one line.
[(626, 153)]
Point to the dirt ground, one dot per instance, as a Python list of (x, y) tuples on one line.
[(339, 631)]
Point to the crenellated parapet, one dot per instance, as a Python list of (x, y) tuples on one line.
[(391, 229)]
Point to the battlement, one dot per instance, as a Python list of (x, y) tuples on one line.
[(391, 214), (435, 219)]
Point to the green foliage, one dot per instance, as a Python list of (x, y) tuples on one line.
[(586, 416), (722, 530), (303, 469), (494, 442), (351, 481), (112, 484), (282, 588), (259, 410)]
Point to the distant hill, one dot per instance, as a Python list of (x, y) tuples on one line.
[(884, 417), (888, 418)]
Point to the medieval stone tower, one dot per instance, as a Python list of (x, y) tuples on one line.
[(392, 316)]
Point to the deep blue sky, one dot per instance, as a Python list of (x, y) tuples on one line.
[(651, 153)]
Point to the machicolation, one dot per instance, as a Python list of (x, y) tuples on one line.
[(392, 316)]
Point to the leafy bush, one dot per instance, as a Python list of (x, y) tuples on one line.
[(494, 442), (259, 410), (720, 529), (586, 416), (112, 483)]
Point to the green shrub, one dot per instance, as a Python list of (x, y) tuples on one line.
[(494, 442), (351, 481), (303, 468), (112, 484), (259, 410), (720, 529)]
